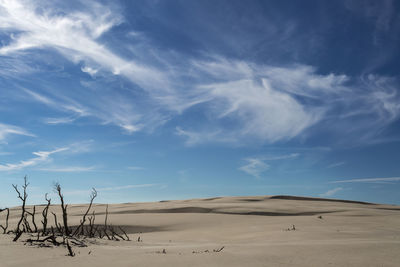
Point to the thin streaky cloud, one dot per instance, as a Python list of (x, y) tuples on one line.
[(63, 105), (368, 180), (281, 157), (331, 192), (68, 169), (135, 168), (41, 156), (257, 165), (337, 164), (61, 120), (6, 130), (54, 31), (262, 99)]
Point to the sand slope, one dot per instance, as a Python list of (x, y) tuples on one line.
[(252, 230)]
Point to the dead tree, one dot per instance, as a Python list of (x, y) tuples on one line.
[(57, 188), (26, 225), (92, 230), (105, 219), (6, 225), (58, 225), (33, 219), (44, 214), (23, 198), (93, 195), (122, 230)]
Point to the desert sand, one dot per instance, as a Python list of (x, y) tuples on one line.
[(251, 231)]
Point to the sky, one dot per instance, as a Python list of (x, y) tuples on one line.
[(149, 100)]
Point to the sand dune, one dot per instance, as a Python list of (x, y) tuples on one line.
[(251, 231)]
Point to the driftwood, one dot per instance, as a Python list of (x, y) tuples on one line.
[(51, 238), (17, 235), (70, 252)]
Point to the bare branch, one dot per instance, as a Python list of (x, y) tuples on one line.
[(57, 188), (93, 195), (7, 216), (58, 226), (122, 230), (44, 214), (33, 218), (23, 198)]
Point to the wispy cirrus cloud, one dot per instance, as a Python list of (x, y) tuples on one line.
[(135, 168), (254, 167), (258, 102), (64, 104), (331, 192), (74, 34), (369, 180), (68, 169), (205, 136), (271, 104), (40, 157), (60, 120), (280, 157), (336, 164), (6, 130)]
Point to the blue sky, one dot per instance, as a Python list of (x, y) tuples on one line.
[(153, 100)]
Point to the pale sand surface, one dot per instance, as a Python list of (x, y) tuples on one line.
[(253, 231)]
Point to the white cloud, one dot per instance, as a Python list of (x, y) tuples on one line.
[(280, 157), (262, 111), (259, 102), (65, 104), (89, 70), (272, 104), (6, 129), (331, 192), (254, 167), (61, 120), (75, 35), (135, 168), (68, 169), (83, 146), (336, 164), (369, 180), (257, 165), (41, 156), (207, 136)]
